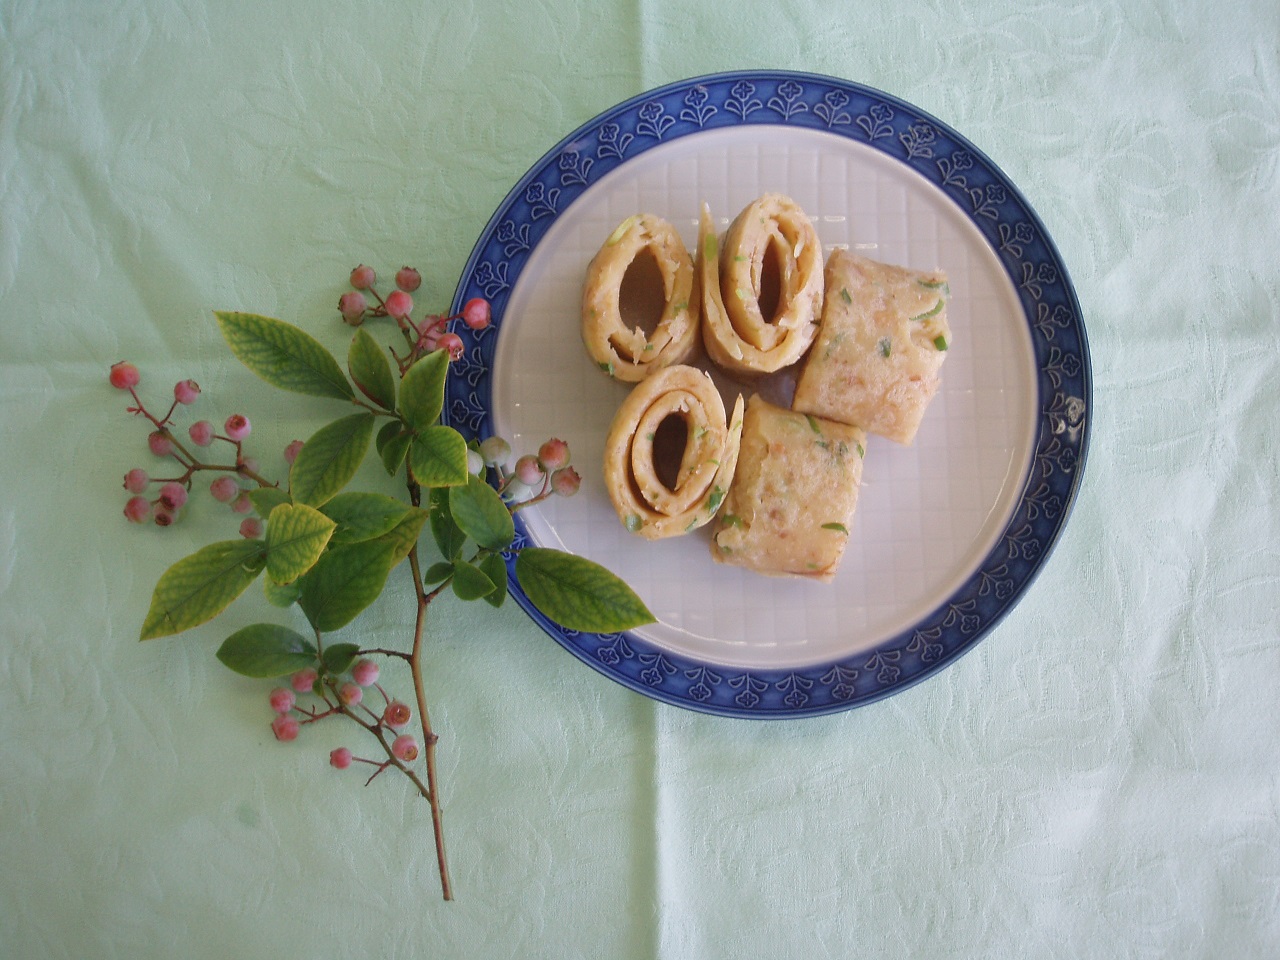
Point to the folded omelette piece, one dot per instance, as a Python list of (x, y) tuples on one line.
[(670, 455), (877, 359), (791, 505), (632, 354), (761, 288)]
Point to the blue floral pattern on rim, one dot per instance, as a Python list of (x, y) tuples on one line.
[(1007, 222)]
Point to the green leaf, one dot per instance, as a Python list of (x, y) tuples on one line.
[(371, 370), (438, 457), (266, 499), (329, 460), (344, 581), (265, 650), (495, 568), (470, 582), (437, 573), (296, 536), (448, 537), (422, 390), (393, 445), (403, 537), (480, 513), (577, 593), (199, 587), (284, 355), (363, 516), (339, 657), (283, 595)]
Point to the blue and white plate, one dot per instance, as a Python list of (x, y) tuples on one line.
[(949, 533)]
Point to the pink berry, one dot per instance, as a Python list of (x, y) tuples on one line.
[(237, 427), (476, 313), (124, 375), (186, 391), (224, 489), (242, 503), (397, 714), (529, 470), (340, 759), (554, 454), (350, 694), (250, 464), (452, 343), (251, 528), (285, 728), (159, 443), (405, 748), (164, 517), (362, 277), (304, 680), (408, 279), (399, 304), (173, 495), (137, 510), (201, 433), (136, 480), (291, 452), (566, 481), (352, 306), (365, 673), (282, 700)]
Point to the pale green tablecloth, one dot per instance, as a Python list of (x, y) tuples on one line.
[(1098, 779)]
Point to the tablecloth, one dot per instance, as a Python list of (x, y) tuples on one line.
[(1099, 778)]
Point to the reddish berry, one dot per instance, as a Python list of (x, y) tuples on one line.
[(529, 470), (285, 728), (476, 313), (365, 673), (350, 694), (224, 489), (408, 279), (553, 455), (304, 680), (340, 759), (136, 480), (452, 343), (237, 427), (362, 277), (352, 306), (201, 433), (137, 510), (186, 391), (566, 481), (291, 452), (397, 714), (251, 528), (282, 700), (399, 304), (242, 503), (405, 748), (159, 443), (124, 375), (164, 517), (173, 495)]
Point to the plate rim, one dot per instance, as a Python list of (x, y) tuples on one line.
[(1048, 303)]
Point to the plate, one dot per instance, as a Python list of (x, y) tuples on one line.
[(949, 533)]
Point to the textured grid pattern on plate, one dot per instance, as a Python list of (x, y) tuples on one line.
[(927, 513)]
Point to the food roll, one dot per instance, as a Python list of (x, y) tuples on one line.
[(657, 488), (878, 356), (793, 497), (770, 261), (632, 354)]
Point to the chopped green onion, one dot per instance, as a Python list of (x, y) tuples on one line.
[(634, 523), (710, 246), (936, 285), (862, 451), (838, 527), (844, 295), (813, 424), (649, 437), (937, 309), (607, 367), (886, 347), (716, 498), (940, 342), (732, 520), (621, 230)]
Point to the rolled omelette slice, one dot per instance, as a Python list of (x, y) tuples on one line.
[(771, 244), (645, 504), (631, 355), (878, 357), (791, 506)]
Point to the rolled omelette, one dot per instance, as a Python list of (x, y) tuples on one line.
[(645, 504), (793, 497), (877, 360), (631, 355), (735, 331)]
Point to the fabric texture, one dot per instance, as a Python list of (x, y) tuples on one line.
[(1099, 778)]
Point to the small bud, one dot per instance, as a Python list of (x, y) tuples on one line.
[(529, 470), (518, 492), (553, 455), (399, 304), (186, 391), (285, 728), (242, 503), (352, 306), (124, 375), (362, 277), (224, 489), (496, 451), (173, 495), (237, 427), (201, 433), (304, 680), (350, 694), (282, 700), (291, 452), (405, 748), (136, 480), (476, 313), (397, 715), (159, 443), (475, 462), (251, 528), (408, 279), (340, 759), (452, 343), (137, 510), (252, 465), (164, 517), (365, 673), (566, 481)]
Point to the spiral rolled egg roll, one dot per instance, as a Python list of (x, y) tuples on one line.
[(632, 354), (689, 496), (739, 284)]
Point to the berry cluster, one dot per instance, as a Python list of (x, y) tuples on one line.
[(172, 493), (534, 477)]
